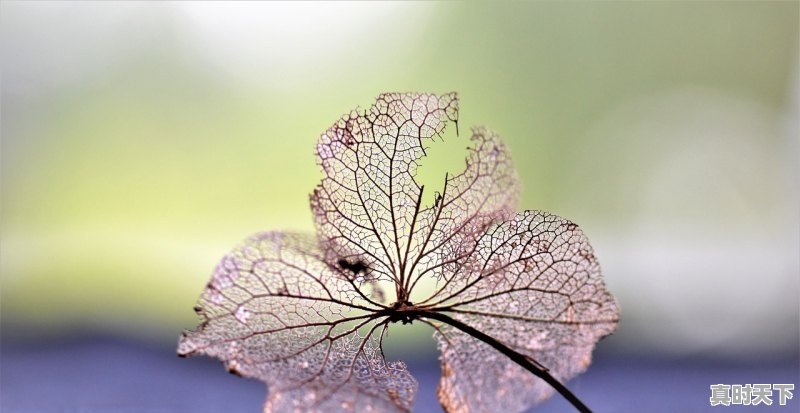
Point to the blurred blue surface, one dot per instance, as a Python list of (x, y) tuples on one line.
[(93, 375)]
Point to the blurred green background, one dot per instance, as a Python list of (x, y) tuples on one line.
[(141, 141)]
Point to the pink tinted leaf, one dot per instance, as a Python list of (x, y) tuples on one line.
[(308, 317), (367, 203), (534, 284), (275, 311), (485, 192), (368, 206)]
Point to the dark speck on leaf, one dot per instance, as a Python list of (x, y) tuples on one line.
[(356, 268)]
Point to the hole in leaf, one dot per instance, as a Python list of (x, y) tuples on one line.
[(445, 156)]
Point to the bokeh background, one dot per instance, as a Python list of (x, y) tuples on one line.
[(141, 141)]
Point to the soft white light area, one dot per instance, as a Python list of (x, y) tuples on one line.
[(285, 43), (60, 43), (278, 45), (707, 263)]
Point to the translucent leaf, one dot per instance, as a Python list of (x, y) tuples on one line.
[(308, 317), (534, 284), (368, 206), (276, 312), (484, 193)]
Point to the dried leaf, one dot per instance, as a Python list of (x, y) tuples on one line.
[(308, 317), (274, 310), (534, 284)]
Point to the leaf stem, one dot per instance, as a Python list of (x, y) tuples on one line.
[(515, 356)]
